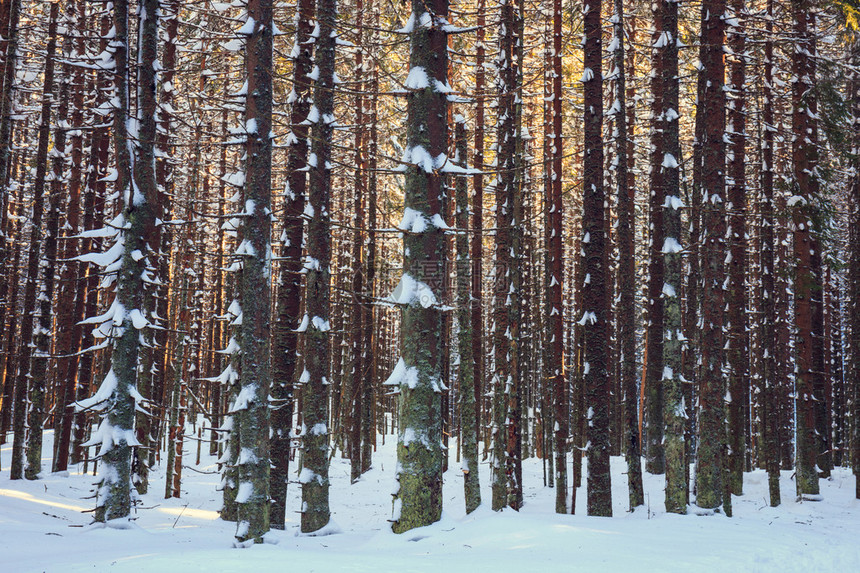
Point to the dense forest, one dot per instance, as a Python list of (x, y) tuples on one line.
[(499, 230)]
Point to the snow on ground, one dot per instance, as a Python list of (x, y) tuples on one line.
[(42, 528)]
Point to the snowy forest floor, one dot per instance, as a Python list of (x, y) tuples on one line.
[(42, 528)]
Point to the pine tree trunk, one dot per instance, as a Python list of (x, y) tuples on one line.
[(853, 303), (711, 421), (556, 375), (513, 184), (9, 33), (36, 390), (654, 456), (118, 393), (42, 336), (477, 246), (70, 303), (285, 338), (10, 329), (737, 355), (314, 477), (805, 281), (595, 318), (369, 321), (251, 410), (354, 374), (468, 428), (674, 406), (626, 312), (145, 183), (770, 412), (418, 500), (504, 349)]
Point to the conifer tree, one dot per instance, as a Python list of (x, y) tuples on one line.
[(737, 355), (770, 411), (468, 427), (595, 311), (137, 234), (285, 337), (653, 414), (251, 408), (674, 406), (626, 263), (555, 358), (710, 438), (316, 323), (806, 285), (418, 496)]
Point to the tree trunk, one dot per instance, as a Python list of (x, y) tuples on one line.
[(7, 102), (26, 370), (504, 347), (626, 312), (804, 158), (70, 299), (770, 411), (654, 456), (711, 421), (478, 220), (853, 303), (251, 409), (468, 428), (557, 378), (674, 406), (737, 355), (118, 394), (314, 477), (418, 497), (285, 337), (595, 318)]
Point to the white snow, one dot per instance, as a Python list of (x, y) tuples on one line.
[(673, 202), (248, 28), (246, 491), (43, 527), (671, 245), (669, 161), (402, 375), (417, 79), (409, 26), (409, 290), (413, 221)]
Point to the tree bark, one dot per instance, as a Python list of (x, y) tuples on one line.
[(418, 499), (314, 477), (770, 411), (711, 421), (468, 428), (285, 338), (804, 159), (654, 455), (626, 313), (674, 405), (555, 275), (32, 409), (737, 355), (251, 409)]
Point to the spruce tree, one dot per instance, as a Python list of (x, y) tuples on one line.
[(595, 311), (418, 494), (315, 433), (710, 439), (251, 408), (674, 406)]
